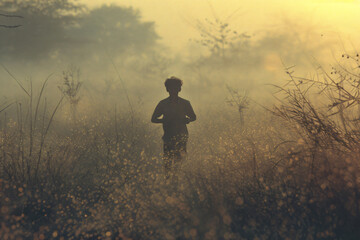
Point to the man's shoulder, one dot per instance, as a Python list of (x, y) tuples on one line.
[(182, 100), (165, 100)]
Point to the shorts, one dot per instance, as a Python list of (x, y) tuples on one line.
[(174, 152)]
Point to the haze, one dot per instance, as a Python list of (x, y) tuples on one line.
[(264, 146), (161, 38), (175, 19)]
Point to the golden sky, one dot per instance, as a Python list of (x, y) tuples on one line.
[(175, 18)]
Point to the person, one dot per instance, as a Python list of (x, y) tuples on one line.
[(174, 113)]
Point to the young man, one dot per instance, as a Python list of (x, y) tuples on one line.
[(176, 112)]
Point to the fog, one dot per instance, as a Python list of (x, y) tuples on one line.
[(117, 50), (273, 153)]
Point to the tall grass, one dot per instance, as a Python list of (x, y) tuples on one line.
[(289, 174)]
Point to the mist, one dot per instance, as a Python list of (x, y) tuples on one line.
[(117, 52), (276, 113)]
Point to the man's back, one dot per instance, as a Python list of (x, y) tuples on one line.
[(176, 115)]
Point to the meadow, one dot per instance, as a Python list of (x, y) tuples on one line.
[(289, 171)]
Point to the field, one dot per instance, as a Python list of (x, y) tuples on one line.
[(274, 152), (289, 172)]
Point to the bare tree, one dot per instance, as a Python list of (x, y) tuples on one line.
[(217, 34), (71, 87), (240, 101)]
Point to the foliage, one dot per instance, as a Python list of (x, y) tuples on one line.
[(63, 29), (44, 27), (117, 29)]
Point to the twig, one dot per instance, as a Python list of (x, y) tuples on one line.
[(21, 86), (10, 16), (10, 26)]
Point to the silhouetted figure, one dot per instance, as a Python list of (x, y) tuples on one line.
[(176, 112)]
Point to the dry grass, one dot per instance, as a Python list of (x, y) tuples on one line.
[(294, 177)]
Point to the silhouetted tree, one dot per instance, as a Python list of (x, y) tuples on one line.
[(115, 28), (218, 37), (43, 31), (62, 28)]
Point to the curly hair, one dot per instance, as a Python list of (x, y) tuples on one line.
[(173, 82)]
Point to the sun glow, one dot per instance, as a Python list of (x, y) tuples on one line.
[(175, 20)]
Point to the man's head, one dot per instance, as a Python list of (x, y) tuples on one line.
[(173, 85)]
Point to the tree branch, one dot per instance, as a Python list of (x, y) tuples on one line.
[(7, 26), (8, 15)]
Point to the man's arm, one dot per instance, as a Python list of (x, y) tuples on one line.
[(191, 116), (157, 113)]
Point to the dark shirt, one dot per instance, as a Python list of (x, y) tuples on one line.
[(176, 114)]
